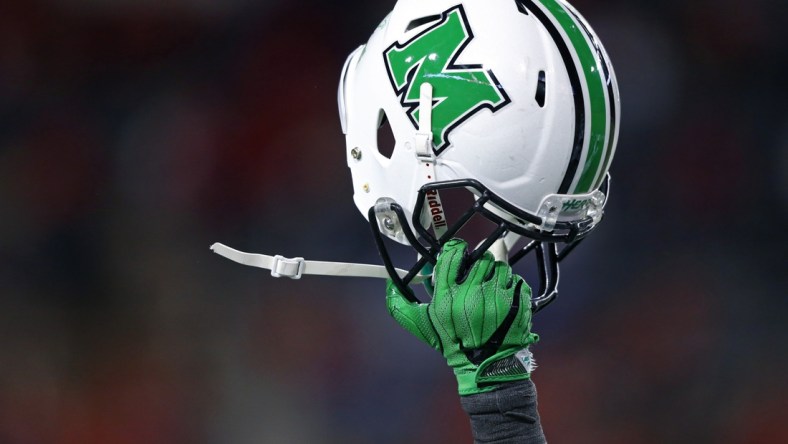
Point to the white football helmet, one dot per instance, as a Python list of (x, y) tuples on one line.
[(515, 100)]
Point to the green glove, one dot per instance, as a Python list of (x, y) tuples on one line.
[(481, 324)]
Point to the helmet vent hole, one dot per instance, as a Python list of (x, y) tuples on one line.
[(541, 87), (421, 21), (386, 139)]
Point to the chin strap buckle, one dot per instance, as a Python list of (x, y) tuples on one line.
[(292, 268)]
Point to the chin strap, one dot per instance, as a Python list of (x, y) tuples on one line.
[(296, 267), (433, 208)]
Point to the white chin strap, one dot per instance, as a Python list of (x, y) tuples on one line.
[(433, 207), (296, 267)]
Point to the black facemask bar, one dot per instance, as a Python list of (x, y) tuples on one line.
[(543, 244)]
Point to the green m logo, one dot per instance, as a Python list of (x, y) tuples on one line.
[(459, 91)]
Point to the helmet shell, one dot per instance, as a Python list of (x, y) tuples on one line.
[(551, 130)]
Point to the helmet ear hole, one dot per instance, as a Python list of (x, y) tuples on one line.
[(386, 139), (541, 89)]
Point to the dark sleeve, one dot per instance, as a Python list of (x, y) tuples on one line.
[(507, 415)]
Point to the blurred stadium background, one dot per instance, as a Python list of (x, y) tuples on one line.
[(135, 133)]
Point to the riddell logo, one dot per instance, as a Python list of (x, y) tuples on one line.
[(436, 209)]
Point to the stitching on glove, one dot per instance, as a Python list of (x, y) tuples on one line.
[(479, 355)]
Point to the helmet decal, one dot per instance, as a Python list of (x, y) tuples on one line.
[(459, 90)]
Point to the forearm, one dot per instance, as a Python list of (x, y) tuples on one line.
[(507, 415)]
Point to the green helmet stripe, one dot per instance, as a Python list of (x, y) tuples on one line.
[(608, 80), (597, 105), (528, 7)]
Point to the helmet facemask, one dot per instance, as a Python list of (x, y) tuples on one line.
[(389, 220)]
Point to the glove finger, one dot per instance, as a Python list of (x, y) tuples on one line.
[(502, 277), (480, 271), (449, 262), (474, 303), (525, 290), (495, 300), (497, 297), (395, 299), (520, 333), (411, 316)]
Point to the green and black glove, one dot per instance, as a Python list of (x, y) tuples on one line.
[(479, 318)]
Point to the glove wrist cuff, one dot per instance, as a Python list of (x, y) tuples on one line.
[(466, 384), (511, 365)]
